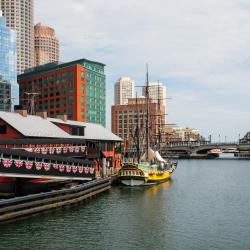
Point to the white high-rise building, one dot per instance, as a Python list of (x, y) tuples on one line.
[(124, 89), (157, 91), (19, 15)]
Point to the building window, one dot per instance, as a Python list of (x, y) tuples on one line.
[(79, 131), (3, 129), (63, 78), (82, 88), (82, 100), (70, 76), (51, 79), (82, 76)]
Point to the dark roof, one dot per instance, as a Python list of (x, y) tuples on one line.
[(54, 66)]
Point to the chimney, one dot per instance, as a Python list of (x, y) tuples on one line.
[(62, 117), (42, 114), (19, 109)]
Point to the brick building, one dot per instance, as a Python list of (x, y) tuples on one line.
[(76, 89), (124, 118)]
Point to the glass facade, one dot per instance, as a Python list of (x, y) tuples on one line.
[(95, 92), (5, 89), (8, 68)]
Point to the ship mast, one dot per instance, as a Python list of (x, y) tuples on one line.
[(159, 117), (137, 132), (147, 116)]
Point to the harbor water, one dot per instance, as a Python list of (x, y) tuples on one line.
[(205, 206)]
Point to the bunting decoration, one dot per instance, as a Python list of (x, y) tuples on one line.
[(28, 164), (80, 169), (83, 148), (68, 169), (51, 151), (61, 168), (57, 150), (55, 166), (18, 163), (36, 150), (86, 170), (47, 166), (7, 163), (38, 166), (75, 169), (44, 151), (71, 149)]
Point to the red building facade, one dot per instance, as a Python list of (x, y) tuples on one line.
[(60, 91)]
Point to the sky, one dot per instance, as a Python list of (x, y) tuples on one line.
[(200, 49)]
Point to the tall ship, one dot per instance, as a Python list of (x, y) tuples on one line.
[(146, 167)]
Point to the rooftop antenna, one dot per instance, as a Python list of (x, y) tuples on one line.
[(31, 102), (8, 100)]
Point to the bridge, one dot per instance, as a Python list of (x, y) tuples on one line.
[(201, 148)]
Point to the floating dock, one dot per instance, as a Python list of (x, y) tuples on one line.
[(23, 207)]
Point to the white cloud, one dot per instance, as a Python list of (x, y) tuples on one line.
[(189, 44)]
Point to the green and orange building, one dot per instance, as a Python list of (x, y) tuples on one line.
[(76, 89)]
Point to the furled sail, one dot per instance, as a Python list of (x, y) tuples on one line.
[(151, 155), (158, 157)]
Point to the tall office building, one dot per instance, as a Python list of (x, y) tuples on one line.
[(46, 45), (19, 16), (8, 74), (124, 89), (76, 89), (157, 91)]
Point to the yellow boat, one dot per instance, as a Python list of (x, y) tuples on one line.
[(133, 174)]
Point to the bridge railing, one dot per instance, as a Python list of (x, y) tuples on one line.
[(199, 143)]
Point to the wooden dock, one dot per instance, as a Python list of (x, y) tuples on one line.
[(26, 206)]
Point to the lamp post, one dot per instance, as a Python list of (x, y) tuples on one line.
[(210, 138), (225, 139), (219, 138)]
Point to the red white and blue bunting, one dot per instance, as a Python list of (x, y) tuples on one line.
[(57, 150), (7, 163)]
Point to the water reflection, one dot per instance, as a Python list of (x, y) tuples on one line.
[(155, 189)]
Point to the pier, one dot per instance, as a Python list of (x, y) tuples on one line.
[(23, 207)]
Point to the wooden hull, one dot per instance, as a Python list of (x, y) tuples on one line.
[(7, 186), (11, 186), (131, 175), (32, 186), (132, 181)]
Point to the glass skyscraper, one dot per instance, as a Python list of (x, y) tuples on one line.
[(8, 67)]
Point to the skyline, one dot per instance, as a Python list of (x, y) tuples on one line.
[(200, 53)]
